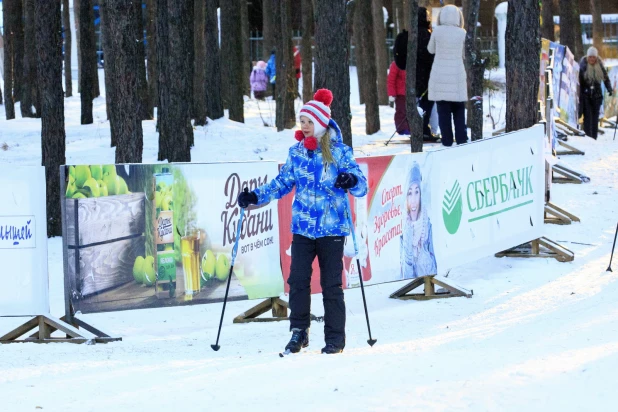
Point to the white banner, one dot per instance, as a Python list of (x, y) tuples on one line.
[(23, 242), (488, 195)]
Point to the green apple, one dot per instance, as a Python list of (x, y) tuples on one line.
[(149, 271), (102, 188), (93, 187), (222, 269), (122, 188), (112, 184), (138, 269), (71, 189), (208, 265), (167, 203), (82, 173), (96, 171), (109, 170), (79, 195)]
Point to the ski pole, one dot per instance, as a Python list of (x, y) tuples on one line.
[(396, 128), (609, 268), (615, 127), (216, 346), (371, 341)]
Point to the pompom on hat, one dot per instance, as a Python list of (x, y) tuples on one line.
[(318, 110)]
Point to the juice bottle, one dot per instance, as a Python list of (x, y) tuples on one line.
[(163, 215)]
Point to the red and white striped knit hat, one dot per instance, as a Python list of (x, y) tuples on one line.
[(318, 110)]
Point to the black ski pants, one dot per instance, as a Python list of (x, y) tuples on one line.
[(591, 108), (329, 251), (452, 112)]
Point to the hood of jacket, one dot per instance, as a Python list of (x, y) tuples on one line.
[(400, 50), (451, 16)]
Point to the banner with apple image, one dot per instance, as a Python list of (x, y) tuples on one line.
[(610, 103), (143, 236), (23, 242)]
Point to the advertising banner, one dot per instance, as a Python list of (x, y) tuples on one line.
[(559, 51), (610, 103), (568, 98), (23, 242), (420, 217), (544, 58), (143, 236)]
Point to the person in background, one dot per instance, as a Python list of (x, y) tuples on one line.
[(424, 62), (396, 82), (271, 71), (297, 63), (592, 73), (322, 169), (447, 81), (259, 80)]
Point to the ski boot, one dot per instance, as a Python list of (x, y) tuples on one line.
[(299, 340)]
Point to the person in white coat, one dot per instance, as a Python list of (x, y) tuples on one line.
[(447, 81)]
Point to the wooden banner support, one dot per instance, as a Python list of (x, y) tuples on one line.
[(567, 175), (47, 325), (558, 216), (540, 248), (567, 126), (430, 292), (279, 312), (571, 150), (99, 337), (610, 123)]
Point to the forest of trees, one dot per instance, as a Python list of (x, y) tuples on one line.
[(173, 56)]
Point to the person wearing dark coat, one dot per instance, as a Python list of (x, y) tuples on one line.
[(396, 81), (591, 74)]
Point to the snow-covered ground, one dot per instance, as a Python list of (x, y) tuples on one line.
[(536, 335)]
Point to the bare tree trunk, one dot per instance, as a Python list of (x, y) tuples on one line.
[(523, 45), (121, 49), (368, 67), (214, 104), (18, 51), (379, 34), (268, 30), (109, 66), (76, 8), (142, 83), (66, 22), (597, 25), (407, 6), (398, 16), (475, 66), (175, 146), (414, 119), (246, 51), (8, 17), (547, 28), (232, 59), (88, 53), (29, 90), (284, 117), (48, 44), (151, 35), (570, 27), (332, 61), (359, 52), (199, 63), (306, 50), (163, 101)]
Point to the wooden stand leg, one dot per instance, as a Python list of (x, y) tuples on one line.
[(279, 312), (429, 283), (540, 248), (558, 216), (567, 175), (46, 326), (570, 150)]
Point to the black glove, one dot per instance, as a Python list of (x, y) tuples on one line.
[(247, 198), (346, 181)]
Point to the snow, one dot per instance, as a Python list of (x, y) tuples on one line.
[(536, 335)]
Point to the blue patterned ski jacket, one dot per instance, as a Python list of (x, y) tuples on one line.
[(319, 209)]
